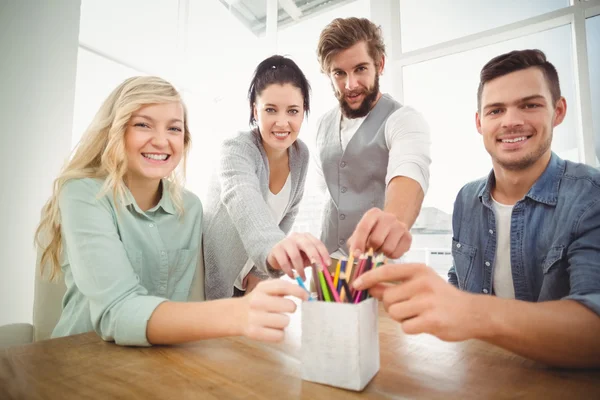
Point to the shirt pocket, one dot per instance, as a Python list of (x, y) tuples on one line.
[(552, 261), (463, 257), (182, 267)]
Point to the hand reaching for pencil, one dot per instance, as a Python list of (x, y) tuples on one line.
[(381, 231), (297, 251), (422, 301), (265, 307)]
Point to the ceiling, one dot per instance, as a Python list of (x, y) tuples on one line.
[(252, 13)]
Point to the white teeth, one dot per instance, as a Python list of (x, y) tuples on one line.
[(515, 140), (281, 134), (159, 157)]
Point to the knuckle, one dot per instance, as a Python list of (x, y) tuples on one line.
[(253, 331), (377, 241), (408, 327), (278, 336), (388, 248), (279, 284), (287, 306), (433, 323), (388, 298), (255, 301), (394, 312)]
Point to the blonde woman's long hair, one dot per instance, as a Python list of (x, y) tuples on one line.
[(101, 154)]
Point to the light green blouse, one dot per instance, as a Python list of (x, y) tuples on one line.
[(120, 264)]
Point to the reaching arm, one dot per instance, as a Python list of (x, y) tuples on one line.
[(562, 333), (404, 198), (408, 140), (241, 194), (259, 315), (175, 322)]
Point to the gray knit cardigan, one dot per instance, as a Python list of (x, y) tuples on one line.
[(238, 223)]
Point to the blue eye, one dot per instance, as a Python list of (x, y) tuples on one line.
[(142, 125), (176, 129)]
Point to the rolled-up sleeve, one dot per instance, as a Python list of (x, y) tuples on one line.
[(408, 140), (584, 259), (119, 306)]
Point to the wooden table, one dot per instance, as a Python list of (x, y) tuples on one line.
[(85, 367)]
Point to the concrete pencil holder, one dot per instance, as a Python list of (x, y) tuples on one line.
[(340, 343)]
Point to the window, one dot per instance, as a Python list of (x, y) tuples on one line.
[(210, 56), (96, 77), (133, 31), (221, 57), (441, 81), (426, 23), (449, 106), (593, 46)]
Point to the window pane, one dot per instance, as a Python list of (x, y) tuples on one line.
[(421, 27), (449, 106), (96, 78), (142, 33), (221, 57), (593, 45)]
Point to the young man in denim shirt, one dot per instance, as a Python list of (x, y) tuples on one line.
[(529, 234)]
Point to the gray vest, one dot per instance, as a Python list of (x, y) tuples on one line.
[(355, 177)]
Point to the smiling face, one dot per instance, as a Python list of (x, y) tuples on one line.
[(279, 113), (517, 118), (154, 141), (355, 80)]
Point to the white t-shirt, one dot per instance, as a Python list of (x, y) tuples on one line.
[(277, 203), (407, 138), (502, 281), (348, 127)]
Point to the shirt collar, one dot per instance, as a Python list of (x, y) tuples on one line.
[(165, 202), (545, 188)]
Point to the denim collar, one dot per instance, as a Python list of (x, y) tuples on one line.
[(544, 190)]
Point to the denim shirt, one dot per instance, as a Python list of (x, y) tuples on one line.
[(554, 237)]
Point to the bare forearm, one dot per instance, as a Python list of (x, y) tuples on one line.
[(404, 198), (561, 333), (177, 322)]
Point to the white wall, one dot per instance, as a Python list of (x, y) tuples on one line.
[(38, 60)]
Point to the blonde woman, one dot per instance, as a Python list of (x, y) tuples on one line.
[(127, 236)]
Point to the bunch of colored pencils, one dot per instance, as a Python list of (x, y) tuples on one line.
[(338, 288)]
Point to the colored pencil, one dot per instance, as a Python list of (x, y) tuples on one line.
[(349, 266), (346, 293), (338, 286), (315, 277), (337, 273), (301, 284), (330, 283), (324, 287)]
